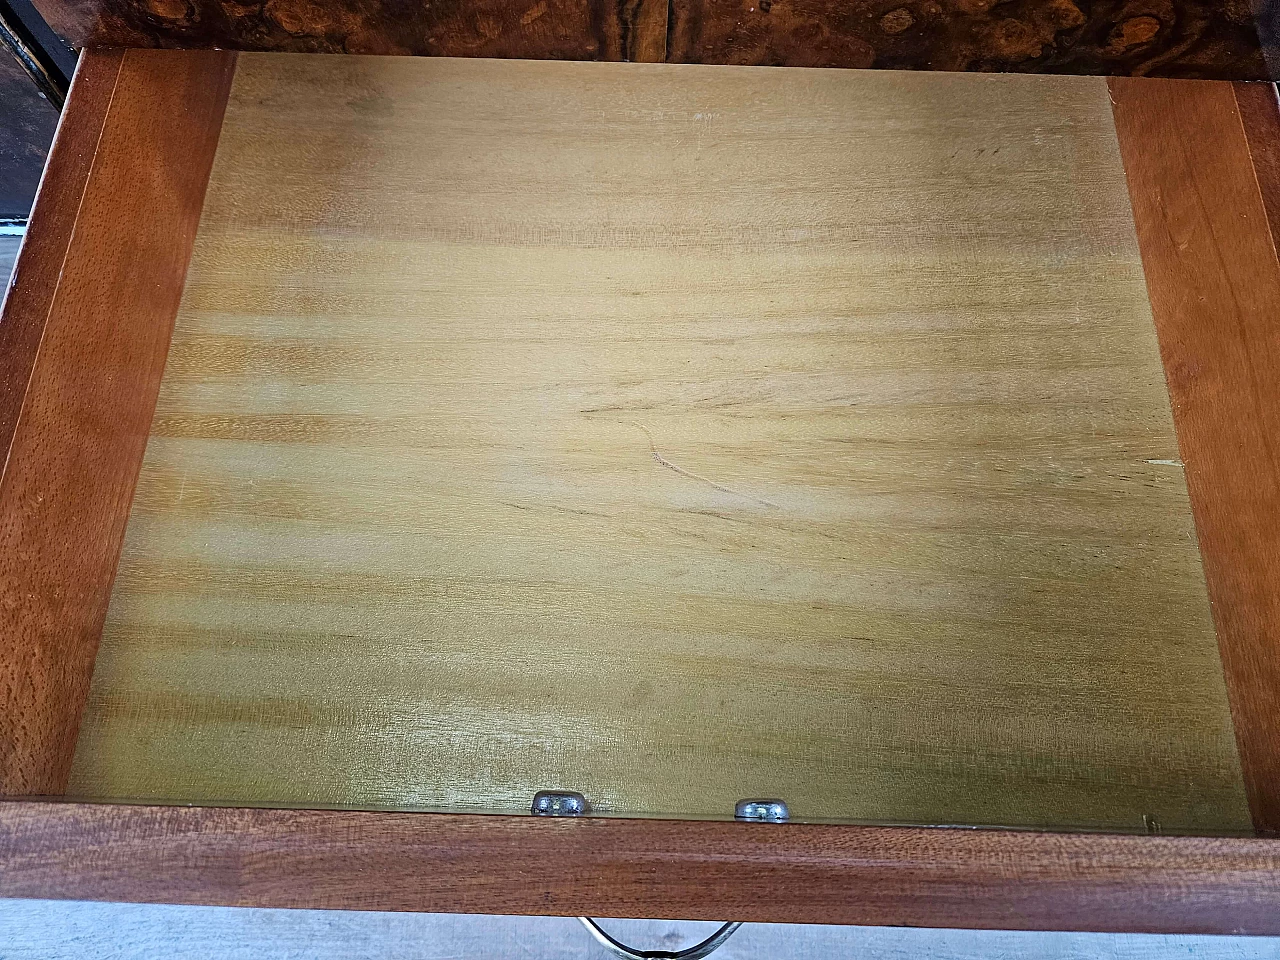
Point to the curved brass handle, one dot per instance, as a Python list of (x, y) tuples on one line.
[(696, 952)]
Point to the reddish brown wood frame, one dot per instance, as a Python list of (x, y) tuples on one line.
[(87, 324), (83, 337), (803, 873), (1200, 158)]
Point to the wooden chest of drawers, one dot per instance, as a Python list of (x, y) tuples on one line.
[(389, 439)]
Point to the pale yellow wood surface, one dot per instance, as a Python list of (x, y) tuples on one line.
[(672, 434)]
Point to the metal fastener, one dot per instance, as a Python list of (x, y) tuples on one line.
[(560, 803), (769, 811)]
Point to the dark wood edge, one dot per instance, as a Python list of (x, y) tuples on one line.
[(1203, 177), (89, 319), (642, 868), (1259, 107)]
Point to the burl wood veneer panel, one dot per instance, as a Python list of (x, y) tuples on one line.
[(672, 434), (1212, 39), (538, 29)]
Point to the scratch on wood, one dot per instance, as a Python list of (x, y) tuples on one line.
[(653, 449)]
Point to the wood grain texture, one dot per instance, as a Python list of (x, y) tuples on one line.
[(29, 294), (795, 434), (1174, 38), (104, 322), (799, 873), (1180, 38), (1214, 281), (537, 29)]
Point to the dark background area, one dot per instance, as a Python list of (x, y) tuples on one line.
[(35, 71), (27, 122)]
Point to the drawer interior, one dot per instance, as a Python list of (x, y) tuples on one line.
[(674, 435)]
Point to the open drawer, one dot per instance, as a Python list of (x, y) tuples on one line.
[(390, 440)]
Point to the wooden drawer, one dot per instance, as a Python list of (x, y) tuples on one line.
[(391, 439)]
